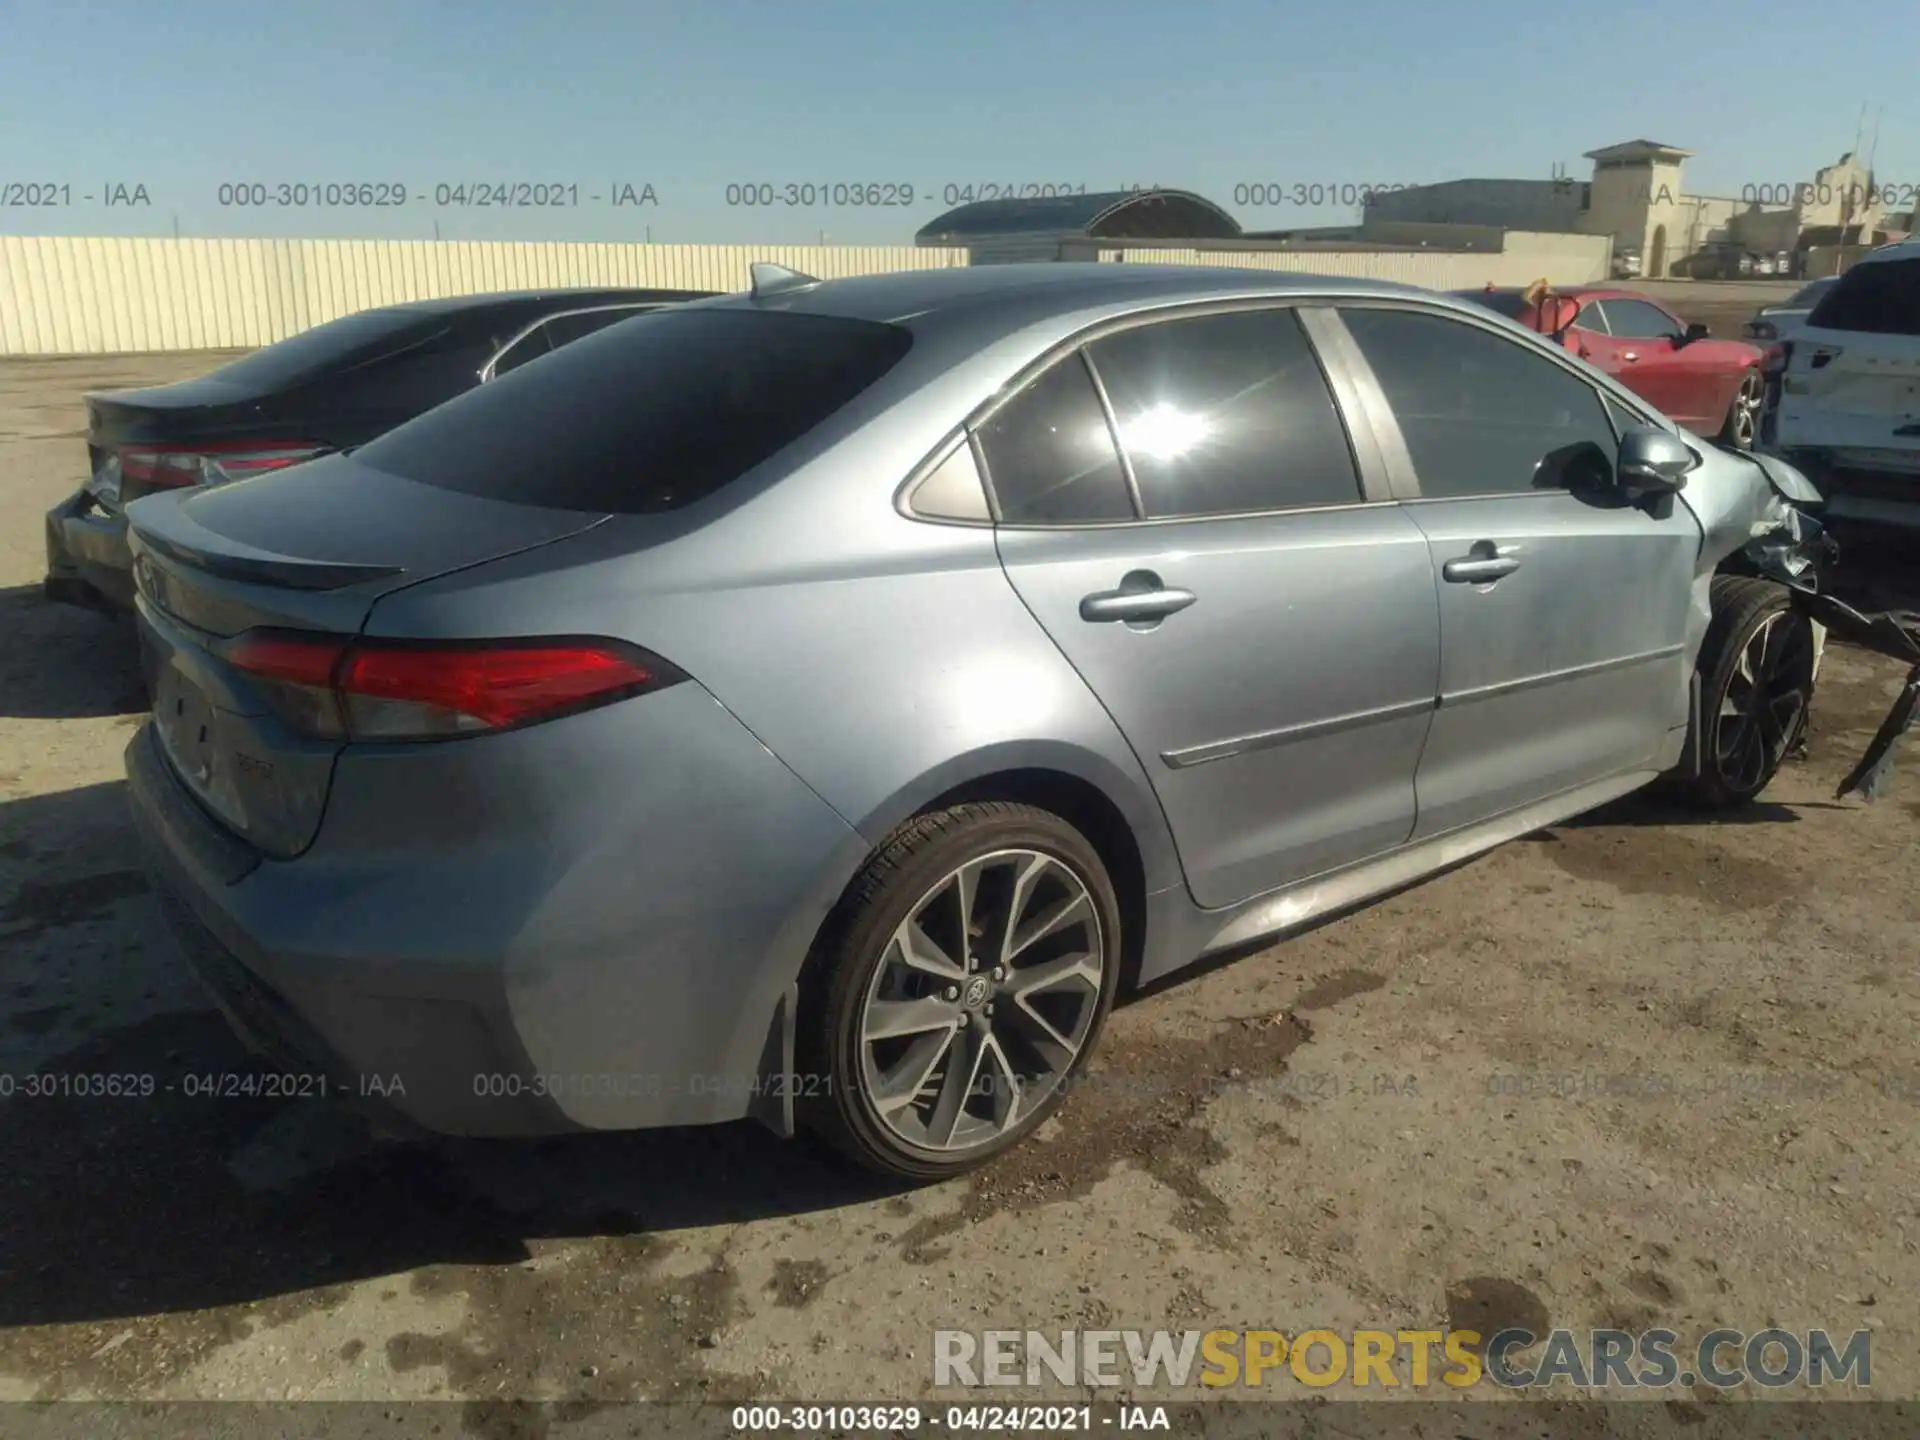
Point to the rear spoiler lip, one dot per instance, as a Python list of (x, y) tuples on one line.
[(259, 567)]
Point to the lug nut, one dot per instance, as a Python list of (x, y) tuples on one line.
[(999, 972), (963, 1020), (953, 992)]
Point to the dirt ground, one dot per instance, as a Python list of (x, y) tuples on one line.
[(1351, 1128)]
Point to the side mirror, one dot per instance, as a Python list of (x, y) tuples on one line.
[(1653, 462), (1695, 331)]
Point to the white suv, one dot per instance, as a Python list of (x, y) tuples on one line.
[(1843, 393)]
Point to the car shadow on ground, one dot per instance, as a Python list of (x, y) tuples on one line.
[(63, 662), (128, 1189)]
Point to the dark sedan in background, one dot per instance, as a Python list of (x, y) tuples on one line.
[(326, 389)]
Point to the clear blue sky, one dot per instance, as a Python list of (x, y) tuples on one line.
[(181, 96)]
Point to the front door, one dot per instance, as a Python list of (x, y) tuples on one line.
[(1652, 360), (1265, 639), (1563, 611)]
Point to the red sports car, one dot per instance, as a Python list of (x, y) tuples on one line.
[(1713, 387)]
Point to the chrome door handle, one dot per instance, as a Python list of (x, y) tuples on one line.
[(1134, 605), (1478, 568), (1630, 356)]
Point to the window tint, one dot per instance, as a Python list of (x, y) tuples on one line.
[(1807, 296), (1593, 317), (1637, 320), (531, 346), (1050, 455), (648, 416), (352, 339), (1878, 297), (1623, 418), (403, 385), (1222, 414), (1483, 415)]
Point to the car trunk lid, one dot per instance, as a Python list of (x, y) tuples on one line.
[(307, 550)]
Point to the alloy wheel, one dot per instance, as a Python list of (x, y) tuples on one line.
[(1764, 705), (983, 1000), (1744, 423)]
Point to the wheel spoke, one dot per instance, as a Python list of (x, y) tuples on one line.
[(955, 1087), (918, 951), (1006, 1084), (1074, 908), (1050, 1047), (1029, 980), (890, 1019), (966, 889), (902, 1085), (1025, 878)]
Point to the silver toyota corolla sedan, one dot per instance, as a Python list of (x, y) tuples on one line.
[(815, 703)]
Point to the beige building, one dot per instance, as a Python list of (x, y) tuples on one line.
[(1637, 197)]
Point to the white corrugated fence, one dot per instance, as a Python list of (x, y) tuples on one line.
[(81, 295), (76, 295)]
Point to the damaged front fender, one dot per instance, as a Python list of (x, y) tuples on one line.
[(1759, 524)]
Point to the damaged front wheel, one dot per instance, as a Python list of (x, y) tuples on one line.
[(1756, 683)]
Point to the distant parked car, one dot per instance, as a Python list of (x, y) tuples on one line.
[(1773, 322), (1626, 264), (816, 704), (329, 388), (1713, 387), (1842, 397)]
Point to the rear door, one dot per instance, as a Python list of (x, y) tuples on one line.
[(1260, 623), (1563, 612)]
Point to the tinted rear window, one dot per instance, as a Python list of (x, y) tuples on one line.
[(351, 339), (1808, 295), (644, 416), (1880, 297)]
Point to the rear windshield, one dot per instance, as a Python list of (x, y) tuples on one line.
[(350, 339), (1808, 295), (647, 415), (1878, 297), (1510, 303)]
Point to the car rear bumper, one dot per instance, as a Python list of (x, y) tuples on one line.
[(624, 965), (88, 562)]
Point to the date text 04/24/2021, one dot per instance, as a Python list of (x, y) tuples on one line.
[(969, 1418)]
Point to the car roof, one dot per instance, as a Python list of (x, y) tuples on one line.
[(1908, 249), (1578, 292), (974, 306), (1065, 284), (559, 296)]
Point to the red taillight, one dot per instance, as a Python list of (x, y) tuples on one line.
[(388, 690), (211, 462)]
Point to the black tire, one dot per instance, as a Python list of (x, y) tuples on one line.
[(1753, 702), (1742, 424), (842, 978)]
